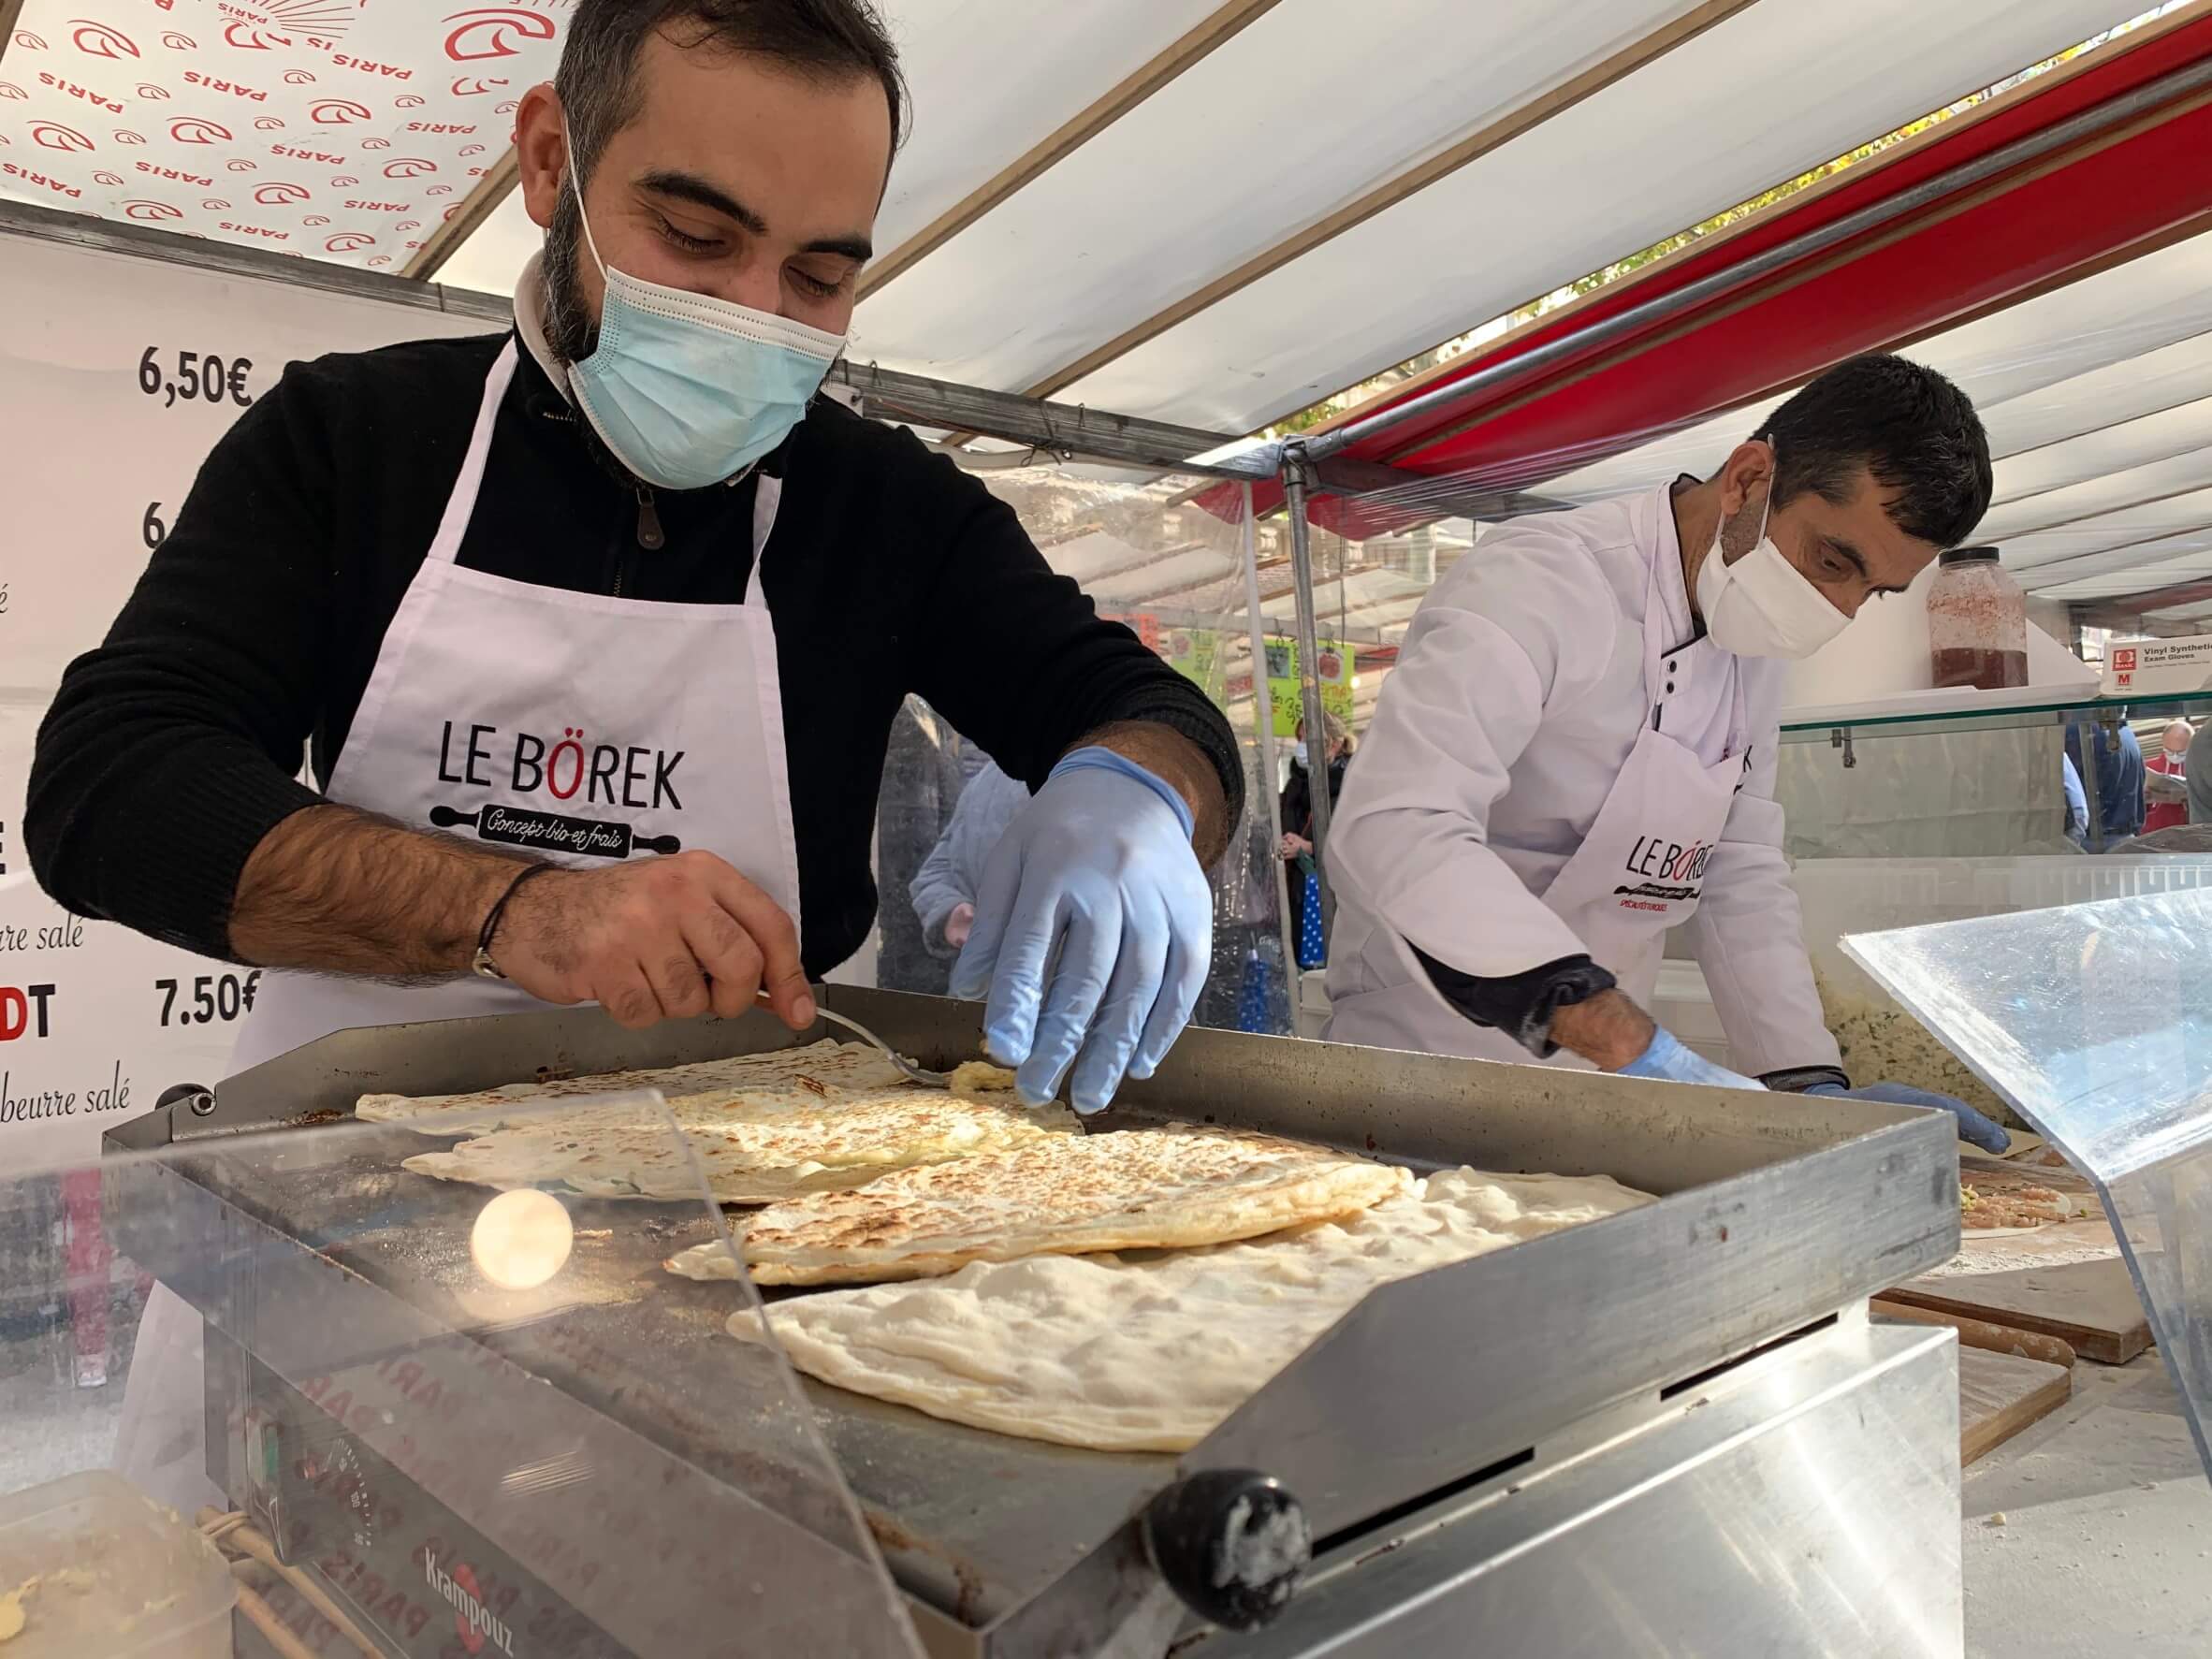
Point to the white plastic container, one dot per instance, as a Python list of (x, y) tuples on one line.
[(101, 1571)]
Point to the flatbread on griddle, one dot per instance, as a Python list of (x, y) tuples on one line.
[(1151, 1354), (742, 1083), (764, 1127), (1065, 1194)]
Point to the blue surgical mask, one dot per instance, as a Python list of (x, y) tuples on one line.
[(688, 390), (1298, 750)]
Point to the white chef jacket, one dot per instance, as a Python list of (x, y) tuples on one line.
[(1518, 695)]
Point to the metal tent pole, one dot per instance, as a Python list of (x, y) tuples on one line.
[(1298, 481), (1263, 719)]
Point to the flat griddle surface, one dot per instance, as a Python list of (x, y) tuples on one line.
[(971, 1520)]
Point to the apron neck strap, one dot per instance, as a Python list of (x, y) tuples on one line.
[(767, 495), (446, 546)]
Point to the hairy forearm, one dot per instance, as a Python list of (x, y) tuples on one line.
[(1168, 754), (1608, 1030), (337, 890)]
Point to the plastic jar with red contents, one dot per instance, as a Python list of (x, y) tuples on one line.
[(1978, 623)]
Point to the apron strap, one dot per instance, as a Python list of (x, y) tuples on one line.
[(767, 495), (446, 546)]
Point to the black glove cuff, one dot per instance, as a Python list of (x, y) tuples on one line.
[(1518, 1004), (1796, 1081)]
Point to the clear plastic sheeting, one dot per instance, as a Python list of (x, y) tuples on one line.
[(437, 1415), (1180, 577), (2094, 1022)]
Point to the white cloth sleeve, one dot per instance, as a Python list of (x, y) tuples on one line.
[(1509, 633)]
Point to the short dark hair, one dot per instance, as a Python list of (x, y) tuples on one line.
[(1910, 428), (597, 79)]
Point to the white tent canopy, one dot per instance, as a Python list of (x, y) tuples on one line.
[(1211, 212)]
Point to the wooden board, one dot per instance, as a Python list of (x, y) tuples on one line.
[(2001, 1394), (2090, 1305), (1980, 1333)]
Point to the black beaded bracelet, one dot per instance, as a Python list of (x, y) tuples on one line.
[(482, 963)]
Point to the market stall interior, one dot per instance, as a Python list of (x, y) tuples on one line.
[(1634, 1429)]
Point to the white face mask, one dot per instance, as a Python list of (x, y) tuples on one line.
[(1763, 605), (1298, 750)]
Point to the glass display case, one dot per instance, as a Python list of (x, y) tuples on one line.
[(2094, 1024)]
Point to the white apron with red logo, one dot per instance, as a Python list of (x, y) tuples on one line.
[(582, 728), (1639, 871), (577, 727)]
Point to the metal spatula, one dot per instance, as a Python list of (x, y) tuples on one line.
[(927, 1079)]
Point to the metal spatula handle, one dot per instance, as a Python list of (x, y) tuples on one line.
[(927, 1079)]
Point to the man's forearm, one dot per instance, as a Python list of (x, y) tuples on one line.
[(337, 890), (1168, 754), (1608, 1030)]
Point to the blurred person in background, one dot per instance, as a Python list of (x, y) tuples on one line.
[(2118, 765), (2196, 835), (944, 890), (923, 770), (2165, 783), (1297, 809)]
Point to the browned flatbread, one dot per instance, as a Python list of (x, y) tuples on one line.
[(1059, 1195)]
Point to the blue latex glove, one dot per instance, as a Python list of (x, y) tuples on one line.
[(1988, 1134), (1093, 931), (1667, 1060)]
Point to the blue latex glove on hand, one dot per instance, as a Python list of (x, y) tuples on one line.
[(1093, 931), (1973, 1128), (1669, 1061)]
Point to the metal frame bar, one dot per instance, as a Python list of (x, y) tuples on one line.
[(1192, 47), (2176, 84), (1297, 486), (475, 208), (1264, 723), (107, 236)]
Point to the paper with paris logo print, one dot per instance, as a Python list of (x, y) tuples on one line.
[(102, 105)]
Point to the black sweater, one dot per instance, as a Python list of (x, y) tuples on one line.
[(173, 749)]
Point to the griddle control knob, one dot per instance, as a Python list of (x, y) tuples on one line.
[(1232, 1543), (197, 1096)]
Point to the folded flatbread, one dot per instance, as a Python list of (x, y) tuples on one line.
[(1067, 1194), (764, 1126), (1150, 1354)]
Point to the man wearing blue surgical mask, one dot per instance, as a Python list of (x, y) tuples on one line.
[(596, 628)]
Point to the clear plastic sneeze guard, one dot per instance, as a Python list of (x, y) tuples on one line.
[(2095, 1022), (267, 1393)]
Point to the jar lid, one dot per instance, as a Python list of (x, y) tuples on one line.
[(1968, 556)]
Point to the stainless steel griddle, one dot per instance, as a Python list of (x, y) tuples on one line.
[(1673, 1425)]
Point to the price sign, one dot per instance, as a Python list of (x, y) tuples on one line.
[(193, 375), (213, 996)]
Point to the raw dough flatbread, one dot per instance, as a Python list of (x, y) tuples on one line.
[(765, 1126), (1150, 1354), (1071, 1194)]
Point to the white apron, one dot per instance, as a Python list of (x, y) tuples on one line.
[(1639, 871), (580, 727)]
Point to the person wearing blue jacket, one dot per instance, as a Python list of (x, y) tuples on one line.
[(944, 889)]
